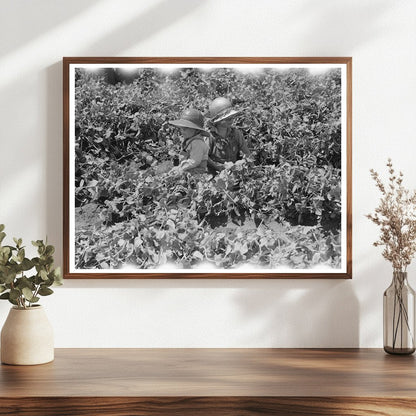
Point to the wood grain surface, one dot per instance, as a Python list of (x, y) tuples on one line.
[(212, 381), (207, 406)]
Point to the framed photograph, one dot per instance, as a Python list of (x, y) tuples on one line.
[(207, 167)]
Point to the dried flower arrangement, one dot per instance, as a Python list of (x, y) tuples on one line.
[(396, 216)]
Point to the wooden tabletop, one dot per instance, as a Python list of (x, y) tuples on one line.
[(267, 376)]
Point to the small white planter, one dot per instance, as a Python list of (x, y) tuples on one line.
[(27, 337)]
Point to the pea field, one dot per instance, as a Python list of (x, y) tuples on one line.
[(279, 208)]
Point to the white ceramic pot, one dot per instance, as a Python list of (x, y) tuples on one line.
[(27, 337)]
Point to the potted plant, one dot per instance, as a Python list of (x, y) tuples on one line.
[(396, 217), (27, 336)]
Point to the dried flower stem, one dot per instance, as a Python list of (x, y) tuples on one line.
[(396, 216)]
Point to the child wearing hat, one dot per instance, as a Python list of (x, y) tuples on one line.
[(228, 144), (195, 146)]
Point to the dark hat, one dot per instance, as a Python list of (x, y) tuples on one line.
[(191, 118)]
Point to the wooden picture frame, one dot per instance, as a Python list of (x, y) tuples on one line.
[(125, 217)]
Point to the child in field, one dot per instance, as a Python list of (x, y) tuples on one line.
[(195, 144), (228, 144)]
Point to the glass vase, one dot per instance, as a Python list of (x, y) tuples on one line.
[(399, 316)]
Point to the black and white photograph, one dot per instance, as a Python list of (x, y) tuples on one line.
[(207, 169)]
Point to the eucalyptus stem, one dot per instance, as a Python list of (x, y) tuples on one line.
[(24, 279), (35, 294)]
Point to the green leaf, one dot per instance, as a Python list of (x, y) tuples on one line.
[(11, 248), (1, 227), (24, 282), (48, 260), (18, 242), (5, 250), (27, 293), (21, 255), (43, 274), (34, 299), (4, 255), (2, 236), (49, 250), (5, 295), (8, 277), (57, 276), (26, 264), (15, 294), (35, 261), (2, 288), (45, 291)]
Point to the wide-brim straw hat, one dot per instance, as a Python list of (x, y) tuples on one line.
[(221, 109), (192, 119), (225, 115)]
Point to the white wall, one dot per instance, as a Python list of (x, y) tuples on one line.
[(380, 35)]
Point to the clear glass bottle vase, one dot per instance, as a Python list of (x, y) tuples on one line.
[(399, 316)]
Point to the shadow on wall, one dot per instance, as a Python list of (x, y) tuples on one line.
[(340, 26), (54, 167), (41, 16), (308, 313), (375, 277), (4, 311), (301, 313), (157, 18)]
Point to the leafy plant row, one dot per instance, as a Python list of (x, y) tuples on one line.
[(250, 212), (183, 242), (185, 211), (287, 114)]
